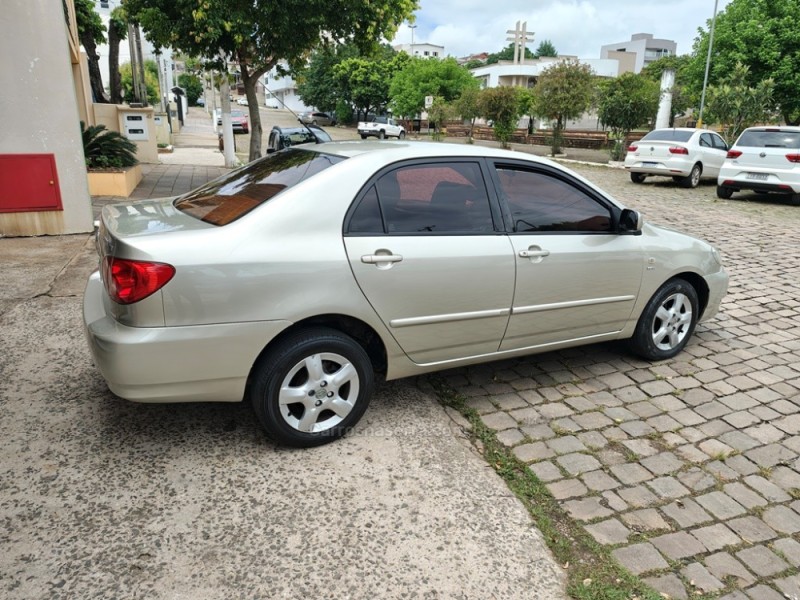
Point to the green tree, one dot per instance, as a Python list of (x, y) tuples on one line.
[(546, 48), (316, 84), (193, 86), (527, 103), (258, 33), (467, 106), (91, 33), (422, 77), (763, 35), (364, 83), (682, 96), (117, 31), (564, 91), (439, 112), (501, 106), (625, 103), (150, 81), (506, 53), (735, 105)]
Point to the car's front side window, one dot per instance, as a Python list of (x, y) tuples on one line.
[(540, 202), (442, 197)]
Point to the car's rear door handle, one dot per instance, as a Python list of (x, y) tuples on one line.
[(381, 260)]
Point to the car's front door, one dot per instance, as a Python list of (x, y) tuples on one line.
[(714, 152), (576, 279), (426, 245)]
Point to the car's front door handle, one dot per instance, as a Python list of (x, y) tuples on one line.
[(534, 252)]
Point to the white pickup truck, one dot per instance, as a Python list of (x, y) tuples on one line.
[(381, 127)]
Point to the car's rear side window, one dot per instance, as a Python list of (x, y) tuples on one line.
[(224, 200), (668, 135), (769, 139)]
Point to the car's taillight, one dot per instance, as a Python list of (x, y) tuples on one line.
[(678, 150), (795, 158), (633, 148), (733, 154), (128, 281)]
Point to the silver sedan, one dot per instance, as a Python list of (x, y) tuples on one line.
[(291, 281)]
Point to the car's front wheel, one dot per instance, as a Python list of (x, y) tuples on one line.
[(312, 387), (363, 137), (667, 322), (381, 135), (693, 178), (724, 192), (401, 135), (637, 177)]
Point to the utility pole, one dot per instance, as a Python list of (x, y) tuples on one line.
[(708, 65)]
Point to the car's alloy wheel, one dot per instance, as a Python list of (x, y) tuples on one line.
[(311, 387), (381, 135), (724, 192), (667, 322), (691, 180), (637, 178), (402, 135)]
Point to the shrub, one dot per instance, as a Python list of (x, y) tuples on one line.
[(106, 149)]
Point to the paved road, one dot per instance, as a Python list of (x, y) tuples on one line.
[(687, 469)]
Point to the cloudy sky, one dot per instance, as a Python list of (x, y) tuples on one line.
[(576, 27)]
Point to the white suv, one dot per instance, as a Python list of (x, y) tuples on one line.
[(763, 159)]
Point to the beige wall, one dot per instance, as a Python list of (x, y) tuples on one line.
[(627, 61), (40, 111), (111, 115)]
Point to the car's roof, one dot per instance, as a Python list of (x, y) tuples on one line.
[(400, 150), (792, 128)]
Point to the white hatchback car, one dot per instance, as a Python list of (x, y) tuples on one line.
[(687, 155), (763, 159), (288, 282)]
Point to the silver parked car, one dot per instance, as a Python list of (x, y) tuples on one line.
[(687, 155), (290, 281)]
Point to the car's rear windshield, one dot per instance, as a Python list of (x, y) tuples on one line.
[(765, 138), (668, 135), (224, 200)]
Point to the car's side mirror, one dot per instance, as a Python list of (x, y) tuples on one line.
[(630, 221)]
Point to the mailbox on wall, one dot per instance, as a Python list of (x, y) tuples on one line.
[(134, 126)]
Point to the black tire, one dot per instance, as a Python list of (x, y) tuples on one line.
[(285, 374), (667, 322), (381, 135), (724, 192), (794, 199), (363, 137), (693, 178), (401, 135), (637, 177)]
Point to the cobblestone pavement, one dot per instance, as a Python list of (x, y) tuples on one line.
[(687, 469)]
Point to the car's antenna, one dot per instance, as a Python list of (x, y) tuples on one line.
[(311, 131)]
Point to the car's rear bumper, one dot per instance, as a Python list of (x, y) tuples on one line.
[(671, 168), (738, 184), (204, 363)]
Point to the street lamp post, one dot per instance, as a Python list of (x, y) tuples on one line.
[(708, 65), (412, 28)]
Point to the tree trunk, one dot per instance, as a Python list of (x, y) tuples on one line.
[(250, 79), (115, 79), (95, 78)]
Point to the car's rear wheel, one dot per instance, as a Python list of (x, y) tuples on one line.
[(381, 135), (724, 192), (402, 135), (637, 177), (667, 322), (693, 178), (312, 387), (314, 122), (363, 137), (794, 199)]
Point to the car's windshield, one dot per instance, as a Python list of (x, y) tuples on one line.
[(237, 113), (668, 135), (226, 199), (764, 138)]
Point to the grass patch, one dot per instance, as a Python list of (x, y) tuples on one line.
[(592, 573)]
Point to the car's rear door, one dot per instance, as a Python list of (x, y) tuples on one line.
[(576, 278), (426, 245)]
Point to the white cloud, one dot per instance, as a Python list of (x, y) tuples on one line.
[(576, 27)]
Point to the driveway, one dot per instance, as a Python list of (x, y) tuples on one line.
[(686, 469)]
